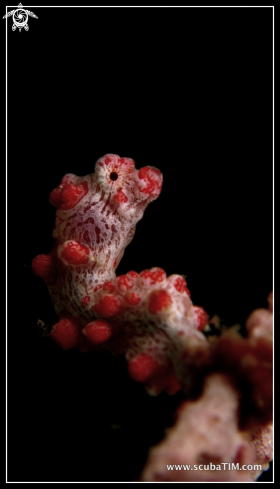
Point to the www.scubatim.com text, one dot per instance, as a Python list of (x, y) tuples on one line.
[(221, 466)]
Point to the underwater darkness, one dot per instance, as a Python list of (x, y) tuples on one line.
[(189, 91)]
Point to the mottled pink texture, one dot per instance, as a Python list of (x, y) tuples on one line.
[(149, 315), (206, 432), (231, 420), (151, 319)]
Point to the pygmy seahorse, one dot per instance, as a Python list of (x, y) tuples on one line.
[(147, 316)]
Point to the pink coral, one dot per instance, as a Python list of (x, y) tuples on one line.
[(206, 432), (151, 319), (226, 433)]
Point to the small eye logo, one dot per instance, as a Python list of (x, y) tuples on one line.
[(20, 17)]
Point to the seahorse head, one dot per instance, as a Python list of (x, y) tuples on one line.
[(100, 211), (128, 190)]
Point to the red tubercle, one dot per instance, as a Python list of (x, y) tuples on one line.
[(127, 164), (66, 333), (159, 300), (109, 287), (98, 287), (85, 301), (98, 331), (132, 274), (120, 197), (107, 306), (124, 283), (143, 367), (201, 317), (66, 197), (107, 160), (152, 178), (153, 276), (181, 286), (131, 298), (44, 267), (74, 253)]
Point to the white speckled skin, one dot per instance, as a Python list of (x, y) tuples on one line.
[(101, 222)]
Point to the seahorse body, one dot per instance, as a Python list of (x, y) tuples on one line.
[(147, 316)]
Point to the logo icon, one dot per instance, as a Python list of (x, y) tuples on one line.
[(20, 17)]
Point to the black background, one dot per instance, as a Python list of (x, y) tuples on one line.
[(188, 90)]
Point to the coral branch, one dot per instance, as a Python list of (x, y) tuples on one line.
[(206, 432), (229, 425)]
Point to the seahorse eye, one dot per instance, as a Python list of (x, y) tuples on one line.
[(113, 176)]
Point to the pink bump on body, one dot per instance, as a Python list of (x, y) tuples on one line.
[(143, 367), (43, 266), (66, 333), (67, 195), (159, 300), (73, 253), (98, 331), (201, 317)]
